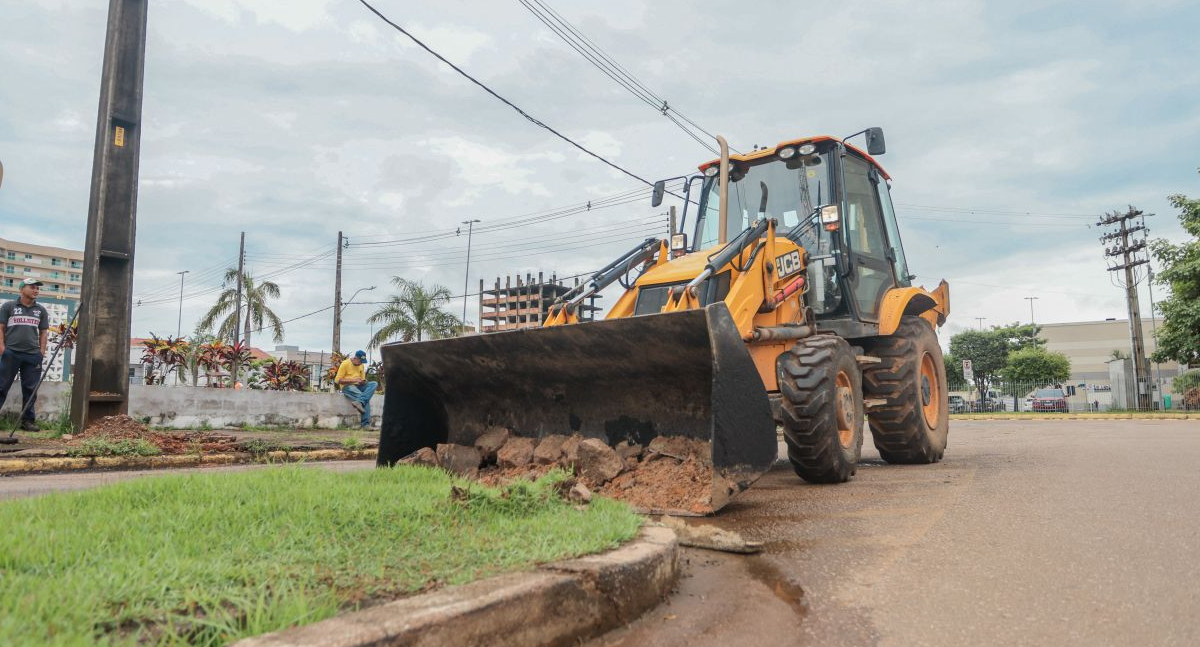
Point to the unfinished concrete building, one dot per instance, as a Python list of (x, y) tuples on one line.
[(524, 304)]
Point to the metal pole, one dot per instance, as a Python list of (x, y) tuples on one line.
[(467, 274), (980, 320), (101, 372), (179, 324), (1031, 300), (337, 299)]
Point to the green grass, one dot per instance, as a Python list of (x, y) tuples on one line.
[(205, 559), (101, 446)]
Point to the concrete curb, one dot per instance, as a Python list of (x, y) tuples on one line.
[(1070, 416), (558, 604), (10, 466)]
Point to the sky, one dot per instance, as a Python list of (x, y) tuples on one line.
[(1010, 128)]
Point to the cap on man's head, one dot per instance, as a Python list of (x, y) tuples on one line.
[(29, 280), (360, 354)]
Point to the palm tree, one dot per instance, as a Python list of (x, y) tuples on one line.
[(414, 314), (254, 309)]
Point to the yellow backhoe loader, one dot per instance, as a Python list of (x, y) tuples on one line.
[(790, 303)]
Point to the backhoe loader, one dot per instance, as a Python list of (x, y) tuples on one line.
[(785, 302)]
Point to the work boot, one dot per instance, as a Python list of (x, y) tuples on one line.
[(358, 406), (29, 425)]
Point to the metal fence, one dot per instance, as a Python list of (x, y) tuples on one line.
[(1071, 397)]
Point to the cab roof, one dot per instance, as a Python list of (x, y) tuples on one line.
[(768, 152)]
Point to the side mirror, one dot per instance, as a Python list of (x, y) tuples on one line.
[(656, 198), (875, 143)]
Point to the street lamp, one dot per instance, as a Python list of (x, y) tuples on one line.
[(346, 303), (980, 320), (179, 324), (1031, 300), (467, 273)]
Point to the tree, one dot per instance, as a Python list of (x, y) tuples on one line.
[(1036, 366), (413, 314), (254, 308), (1179, 334), (988, 351)]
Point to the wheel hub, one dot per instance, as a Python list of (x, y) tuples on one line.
[(926, 390)]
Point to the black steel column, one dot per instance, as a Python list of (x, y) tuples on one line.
[(101, 371)]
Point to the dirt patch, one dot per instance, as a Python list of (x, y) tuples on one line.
[(185, 442), (674, 474), (664, 483)]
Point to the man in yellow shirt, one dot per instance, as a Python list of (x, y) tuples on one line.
[(352, 380)]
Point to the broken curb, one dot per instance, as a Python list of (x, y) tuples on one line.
[(12, 466), (557, 604)]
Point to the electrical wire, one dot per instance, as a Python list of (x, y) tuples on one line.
[(520, 111), (604, 62)]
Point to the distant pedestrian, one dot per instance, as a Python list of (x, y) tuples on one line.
[(352, 379), (24, 325)]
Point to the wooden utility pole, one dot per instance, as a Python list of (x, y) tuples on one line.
[(337, 299), (101, 371), (1127, 250)]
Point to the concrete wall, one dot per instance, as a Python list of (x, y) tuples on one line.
[(183, 406)]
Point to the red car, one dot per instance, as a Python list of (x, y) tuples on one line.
[(1050, 400)]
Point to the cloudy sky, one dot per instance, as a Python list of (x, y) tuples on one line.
[(1009, 127)]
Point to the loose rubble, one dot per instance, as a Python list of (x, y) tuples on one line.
[(670, 474)]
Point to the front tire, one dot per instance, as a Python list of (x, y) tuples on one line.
[(913, 426), (821, 408)]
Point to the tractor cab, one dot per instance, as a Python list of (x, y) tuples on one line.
[(829, 197)]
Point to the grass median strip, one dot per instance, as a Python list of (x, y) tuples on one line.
[(204, 559)]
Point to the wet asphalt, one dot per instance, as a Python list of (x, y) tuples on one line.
[(1028, 533)]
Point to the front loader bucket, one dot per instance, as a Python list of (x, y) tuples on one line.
[(676, 374)]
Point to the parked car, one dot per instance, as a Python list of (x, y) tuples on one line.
[(957, 404), (1050, 400)]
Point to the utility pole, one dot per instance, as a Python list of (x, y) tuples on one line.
[(179, 324), (980, 320), (237, 310), (1124, 252), (1031, 300), (337, 299), (467, 274), (101, 373)]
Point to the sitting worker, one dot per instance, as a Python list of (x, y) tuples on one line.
[(352, 380)]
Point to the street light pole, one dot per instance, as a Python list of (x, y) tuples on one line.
[(179, 324), (467, 273), (1031, 300), (343, 304), (980, 320)]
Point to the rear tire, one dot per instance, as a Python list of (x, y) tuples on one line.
[(821, 408), (914, 425)]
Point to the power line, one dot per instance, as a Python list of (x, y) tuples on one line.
[(604, 62), (506, 102), (998, 212)]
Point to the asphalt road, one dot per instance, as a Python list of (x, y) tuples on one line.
[(1028, 533)]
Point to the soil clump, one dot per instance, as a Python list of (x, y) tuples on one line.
[(670, 475)]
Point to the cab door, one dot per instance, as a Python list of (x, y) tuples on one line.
[(870, 256)]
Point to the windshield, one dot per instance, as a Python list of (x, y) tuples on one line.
[(1048, 393), (788, 191)]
